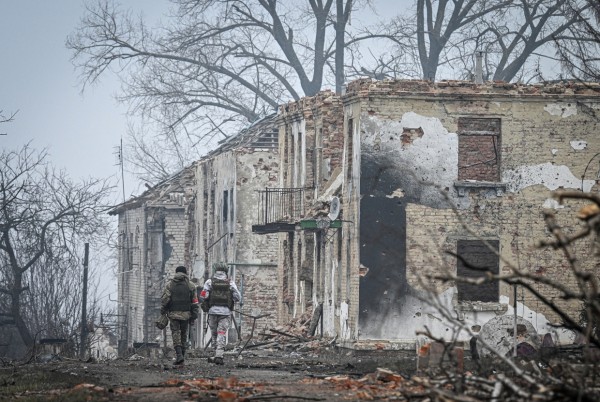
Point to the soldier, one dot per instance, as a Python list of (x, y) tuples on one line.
[(219, 293), (180, 302)]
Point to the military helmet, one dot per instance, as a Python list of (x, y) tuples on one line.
[(220, 266)]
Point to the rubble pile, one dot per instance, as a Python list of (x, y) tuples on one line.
[(385, 384), (295, 335)]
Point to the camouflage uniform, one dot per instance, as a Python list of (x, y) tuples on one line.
[(219, 314), (179, 319)]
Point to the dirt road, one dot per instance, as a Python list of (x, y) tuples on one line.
[(325, 375)]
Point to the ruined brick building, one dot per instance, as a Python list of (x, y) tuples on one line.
[(154, 238), (352, 203), (227, 185), (421, 169), (201, 215)]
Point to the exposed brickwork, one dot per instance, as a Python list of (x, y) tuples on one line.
[(308, 274), (535, 126), (479, 149)]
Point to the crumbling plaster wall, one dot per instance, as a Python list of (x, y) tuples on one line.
[(311, 266), (256, 255), (225, 233), (215, 235), (131, 282), (410, 211)]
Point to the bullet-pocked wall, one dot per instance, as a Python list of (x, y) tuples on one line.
[(227, 185), (311, 262), (457, 167), (256, 255), (153, 240)]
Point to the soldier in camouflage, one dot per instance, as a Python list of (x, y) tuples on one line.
[(221, 293), (180, 303)]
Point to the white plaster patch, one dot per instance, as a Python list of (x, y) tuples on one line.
[(540, 322), (345, 329), (547, 174), (578, 145), (554, 151), (398, 193), (551, 203), (561, 109)]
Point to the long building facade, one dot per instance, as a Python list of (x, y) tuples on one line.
[(365, 207), (429, 172)]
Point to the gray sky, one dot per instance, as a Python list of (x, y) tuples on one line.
[(38, 79)]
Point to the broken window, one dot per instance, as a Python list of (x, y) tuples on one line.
[(479, 149), (225, 206), (231, 204), (475, 259)]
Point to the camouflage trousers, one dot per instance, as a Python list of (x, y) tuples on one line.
[(219, 324), (179, 332)]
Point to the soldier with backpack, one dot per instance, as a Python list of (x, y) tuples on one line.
[(180, 303), (218, 297)]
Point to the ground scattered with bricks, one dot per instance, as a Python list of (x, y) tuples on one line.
[(310, 369)]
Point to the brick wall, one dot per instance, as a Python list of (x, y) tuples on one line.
[(546, 137), (310, 268)]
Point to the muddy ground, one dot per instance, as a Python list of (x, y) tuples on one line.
[(327, 374), (303, 374)]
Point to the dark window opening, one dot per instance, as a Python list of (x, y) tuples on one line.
[(225, 205), (231, 204), (475, 259)]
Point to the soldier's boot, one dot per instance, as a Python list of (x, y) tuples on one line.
[(179, 357), (183, 351), (219, 361)]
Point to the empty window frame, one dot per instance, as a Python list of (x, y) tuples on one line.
[(479, 149), (475, 259), (225, 206)]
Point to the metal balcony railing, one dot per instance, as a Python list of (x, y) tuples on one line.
[(279, 209)]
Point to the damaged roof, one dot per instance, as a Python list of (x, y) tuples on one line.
[(172, 192), (262, 134), (369, 87)]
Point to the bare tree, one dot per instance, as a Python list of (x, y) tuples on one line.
[(219, 65), (45, 218), (581, 59), (513, 34), (435, 28), (7, 118), (530, 31)]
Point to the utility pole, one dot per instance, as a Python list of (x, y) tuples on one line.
[(84, 304)]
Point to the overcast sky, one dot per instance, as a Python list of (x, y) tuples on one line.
[(38, 80)]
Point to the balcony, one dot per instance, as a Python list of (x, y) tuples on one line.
[(279, 210)]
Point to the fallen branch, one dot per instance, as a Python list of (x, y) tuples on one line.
[(289, 335)]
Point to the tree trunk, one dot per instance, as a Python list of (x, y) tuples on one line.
[(340, 29), (16, 311)]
